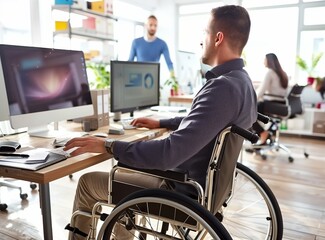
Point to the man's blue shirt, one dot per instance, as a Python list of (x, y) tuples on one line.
[(150, 51)]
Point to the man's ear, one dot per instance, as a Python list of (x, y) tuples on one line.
[(219, 38)]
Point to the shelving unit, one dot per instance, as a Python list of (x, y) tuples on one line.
[(92, 26), (303, 124)]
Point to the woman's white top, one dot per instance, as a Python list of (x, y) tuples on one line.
[(270, 85)]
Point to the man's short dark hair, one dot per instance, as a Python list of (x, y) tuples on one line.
[(152, 17), (234, 22)]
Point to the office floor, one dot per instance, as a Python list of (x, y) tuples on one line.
[(298, 186)]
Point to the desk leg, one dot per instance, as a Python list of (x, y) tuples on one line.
[(45, 202)]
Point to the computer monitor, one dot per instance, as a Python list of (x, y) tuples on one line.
[(134, 85), (5, 127), (43, 85)]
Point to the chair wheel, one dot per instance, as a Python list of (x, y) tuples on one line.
[(3, 206), (306, 155), (290, 159), (70, 176), (33, 186), (264, 157), (23, 196)]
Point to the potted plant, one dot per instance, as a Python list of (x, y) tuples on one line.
[(309, 69), (174, 85), (101, 77)]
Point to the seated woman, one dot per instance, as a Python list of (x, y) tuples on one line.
[(275, 83)]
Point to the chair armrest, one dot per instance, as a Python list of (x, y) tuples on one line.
[(276, 109), (175, 174), (273, 97)]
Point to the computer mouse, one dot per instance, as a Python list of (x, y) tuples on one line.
[(100, 134), (9, 146)]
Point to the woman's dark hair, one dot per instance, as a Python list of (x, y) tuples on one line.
[(273, 63)]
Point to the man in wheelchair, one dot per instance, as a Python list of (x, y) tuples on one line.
[(228, 98)]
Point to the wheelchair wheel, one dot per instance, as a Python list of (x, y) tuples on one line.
[(253, 211), (161, 214)]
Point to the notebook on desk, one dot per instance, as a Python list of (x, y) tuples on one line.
[(50, 159)]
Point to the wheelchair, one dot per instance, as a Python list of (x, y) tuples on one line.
[(236, 202)]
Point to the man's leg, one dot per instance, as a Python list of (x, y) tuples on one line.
[(92, 188), (141, 180)]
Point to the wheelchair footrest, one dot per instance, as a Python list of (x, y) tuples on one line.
[(75, 230)]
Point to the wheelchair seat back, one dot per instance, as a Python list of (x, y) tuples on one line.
[(221, 170)]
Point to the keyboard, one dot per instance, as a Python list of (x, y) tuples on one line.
[(127, 124), (61, 141), (60, 151)]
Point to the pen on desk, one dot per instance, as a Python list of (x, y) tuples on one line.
[(18, 155)]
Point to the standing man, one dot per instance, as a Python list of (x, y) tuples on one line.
[(227, 98), (149, 48)]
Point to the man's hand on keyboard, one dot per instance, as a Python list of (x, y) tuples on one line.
[(85, 144), (146, 122)]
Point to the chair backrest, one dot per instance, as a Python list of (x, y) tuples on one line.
[(288, 108), (294, 100), (221, 169)]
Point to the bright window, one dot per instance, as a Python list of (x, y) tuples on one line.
[(198, 8), (264, 3), (15, 25), (275, 26), (129, 26), (314, 16), (312, 42), (270, 34), (190, 38)]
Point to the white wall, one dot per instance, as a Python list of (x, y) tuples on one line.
[(166, 14)]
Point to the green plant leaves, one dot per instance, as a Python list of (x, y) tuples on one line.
[(315, 58), (172, 82), (102, 76)]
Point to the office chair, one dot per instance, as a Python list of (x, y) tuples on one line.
[(279, 110), (11, 146), (4, 183)]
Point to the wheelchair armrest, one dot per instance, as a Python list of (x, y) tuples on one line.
[(172, 174)]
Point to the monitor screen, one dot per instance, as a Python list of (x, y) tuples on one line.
[(43, 85), (134, 85)]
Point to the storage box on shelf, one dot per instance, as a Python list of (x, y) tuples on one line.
[(310, 123)]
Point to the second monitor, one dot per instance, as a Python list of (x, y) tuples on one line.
[(134, 85)]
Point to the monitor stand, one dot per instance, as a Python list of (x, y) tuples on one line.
[(117, 116), (45, 132)]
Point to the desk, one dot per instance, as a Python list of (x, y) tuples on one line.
[(181, 99), (64, 168)]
